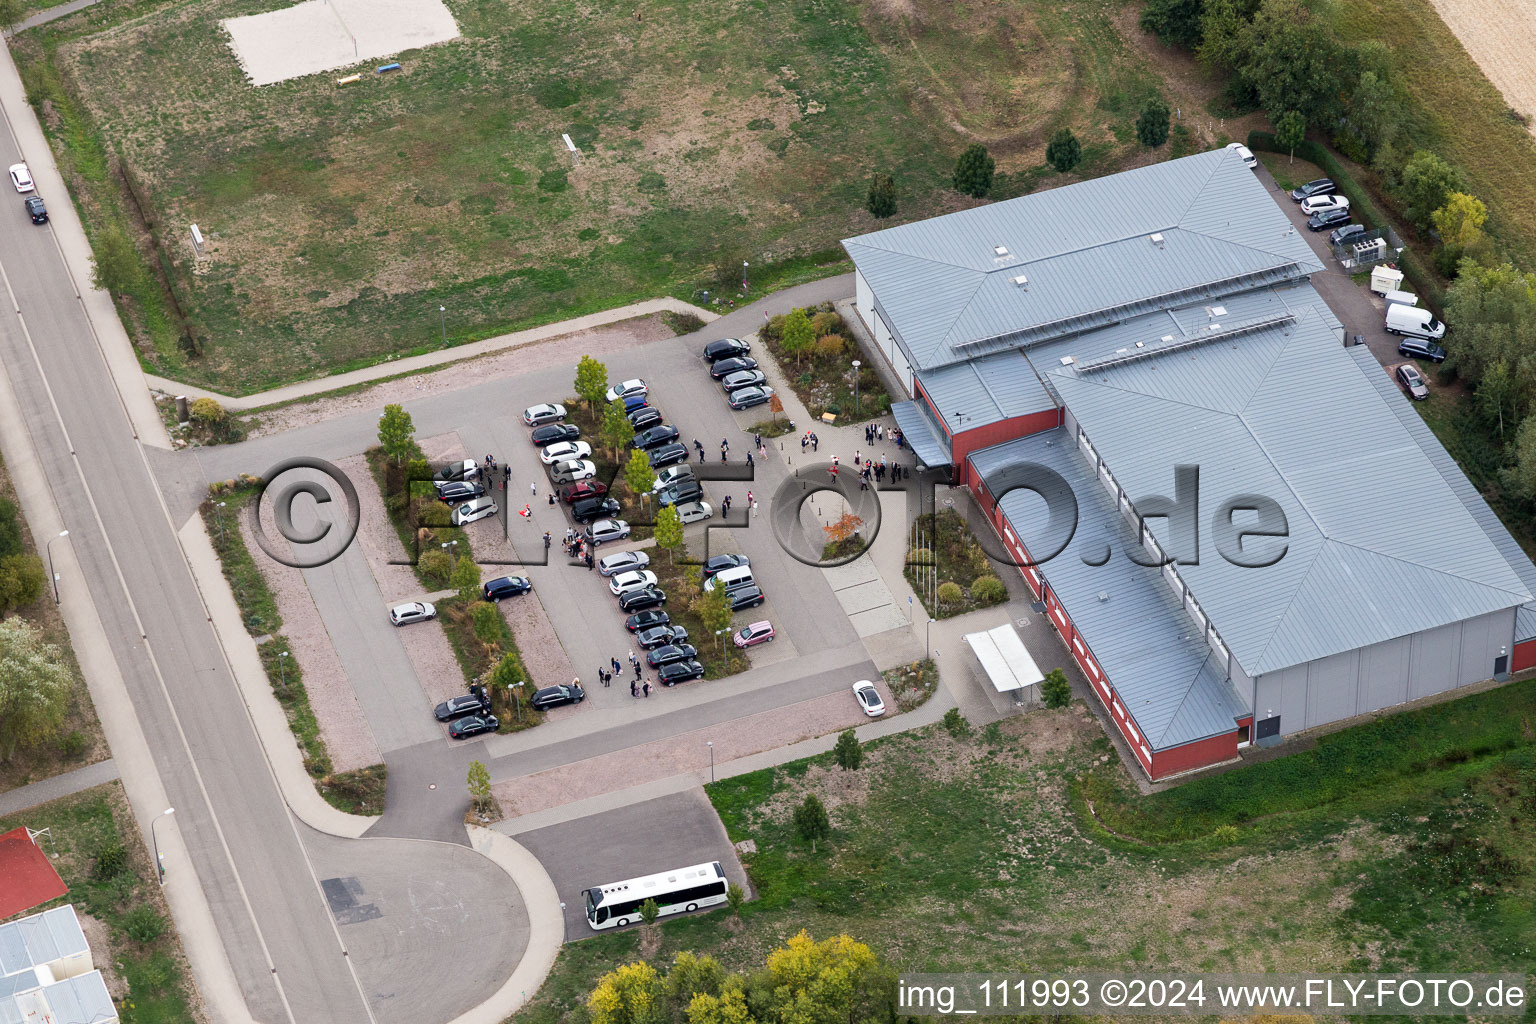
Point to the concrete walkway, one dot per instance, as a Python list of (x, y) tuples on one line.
[(51, 14), (430, 360), (44, 790)]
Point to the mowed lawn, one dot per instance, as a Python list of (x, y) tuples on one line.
[(712, 133)]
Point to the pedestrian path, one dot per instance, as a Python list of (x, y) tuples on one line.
[(52, 14), (44, 790)]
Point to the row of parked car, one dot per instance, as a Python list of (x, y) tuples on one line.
[(743, 383)]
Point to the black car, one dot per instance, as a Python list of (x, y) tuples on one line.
[(551, 433), (554, 696), (746, 398), (720, 563), (589, 509), (668, 454), (458, 707), (473, 725), (507, 586), (36, 209), (646, 416), (456, 492), (746, 597), (679, 672), (1326, 219), (657, 636), (656, 436), (1421, 348), (1321, 186), (679, 493), (1345, 233), (669, 653), (645, 597), (461, 469), (647, 620), (724, 366), (725, 348)]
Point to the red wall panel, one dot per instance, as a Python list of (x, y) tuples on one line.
[(1525, 656), (1200, 754)]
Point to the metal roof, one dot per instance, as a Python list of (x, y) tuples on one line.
[(930, 449), (1482, 514), (1156, 657), (1091, 253), (40, 939), (986, 390), (1288, 414), (83, 999)]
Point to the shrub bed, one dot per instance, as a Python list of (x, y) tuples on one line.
[(950, 572), (822, 373), (477, 659)]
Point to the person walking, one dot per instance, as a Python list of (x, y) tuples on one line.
[(857, 462), (646, 687), (546, 542), (757, 440), (533, 489), (722, 453), (749, 499), (725, 506), (725, 443), (615, 665), (835, 461), (749, 459)]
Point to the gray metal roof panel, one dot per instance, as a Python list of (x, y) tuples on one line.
[(929, 448), (986, 390)]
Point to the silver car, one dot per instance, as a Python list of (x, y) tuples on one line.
[(570, 472), (622, 561), (605, 530), (415, 611)]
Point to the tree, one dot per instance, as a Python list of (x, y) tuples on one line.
[(735, 895), (35, 684), (511, 679), (434, 565), (798, 334), (591, 381), (847, 752), (1427, 181), (881, 202), (466, 579), (631, 994), (487, 619), (1152, 124), (22, 581), (1496, 394), (617, 431), (641, 477), (1225, 28), (692, 976), (1524, 472), (1374, 111), (1175, 22), (973, 171), (207, 411), (650, 911), (1293, 61), (713, 607), (811, 820), (1055, 690), (10, 528), (1460, 221), (479, 785), (1063, 152), (845, 528), (835, 981), (775, 406), (1494, 310), (730, 1007), (668, 530), (1290, 132), (397, 435), (115, 262)]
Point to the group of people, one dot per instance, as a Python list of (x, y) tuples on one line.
[(576, 546), (810, 440), (876, 432), (639, 686)]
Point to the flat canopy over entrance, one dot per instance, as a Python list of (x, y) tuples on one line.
[(1003, 655)]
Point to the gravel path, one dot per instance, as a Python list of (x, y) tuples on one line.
[(543, 654), (684, 752)]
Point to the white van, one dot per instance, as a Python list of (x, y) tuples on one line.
[(1414, 322), (731, 579), (1401, 299)]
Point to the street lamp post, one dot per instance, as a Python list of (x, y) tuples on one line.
[(442, 321), (282, 671), (49, 545), (711, 745), (564, 925), (927, 650), (856, 365), (446, 547), (220, 517), (721, 634), (155, 837), (744, 266)]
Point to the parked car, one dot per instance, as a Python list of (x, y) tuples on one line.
[(1421, 348), (1317, 186), (458, 707), (556, 696), (735, 364), (458, 491), (648, 619), (655, 437), (587, 510), (605, 530), (1244, 154), (21, 177), (749, 596), (667, 455), (756, 633), (463, 469), (632, 580), (659, 636), (622, 561), (1345, 233), (644, 417), (415, 611), (628, 388), (726, 348), (672, 475), (679, 672), (506, 586), (746, 398), (473, 725), (1327, 201), (570, 472), (694, 512), (869, 698), (638, 600), (1412, 381), (537, 415), (743, 379), (36, 210), (474, 511), (565, 451), (1326, 219), (719, 563), (554, 433), (581, 490), (679, 493), (668, 653)]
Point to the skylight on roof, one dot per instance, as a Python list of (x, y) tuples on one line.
[(1000, 250), (1022, 281)]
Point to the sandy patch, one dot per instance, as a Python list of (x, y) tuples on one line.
[(1501, 36), (319, 35)]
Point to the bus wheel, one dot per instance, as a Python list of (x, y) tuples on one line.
[(691, 907), (623, 921)]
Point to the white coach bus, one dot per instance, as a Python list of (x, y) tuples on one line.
[(618, 904)]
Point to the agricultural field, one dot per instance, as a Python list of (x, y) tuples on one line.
[(339, 219)]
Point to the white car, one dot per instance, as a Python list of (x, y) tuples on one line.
[(570, 472), (622, 561), (671, 475), (869, 698), (609, 529), (565, 451), (415, 611), (472, 511), (21, 177), (1244, 154), (627, 581), (1322, 204), (694, 512), (629, 387), (538, 415)]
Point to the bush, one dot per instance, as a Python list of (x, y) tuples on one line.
[(811, 820), (847, 752), (487, 621), (735, 895), (10, 528), (988, 590), (955, 723), (143, 924), (950, 593), (207, 412), (22, 580), (881, 201), (830, 346), (1055, 690), (434, 566), (1064, 151), (1226, 833), (73, 745), (827, 322), (974, 170), (1152, 124), (111, 861), (921, 556)]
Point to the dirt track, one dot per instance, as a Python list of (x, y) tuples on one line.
[(1501, 36)]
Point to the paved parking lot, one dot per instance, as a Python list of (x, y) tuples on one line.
[(669, 832)]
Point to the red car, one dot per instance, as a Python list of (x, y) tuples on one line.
[(757, 633), (583, 489)]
